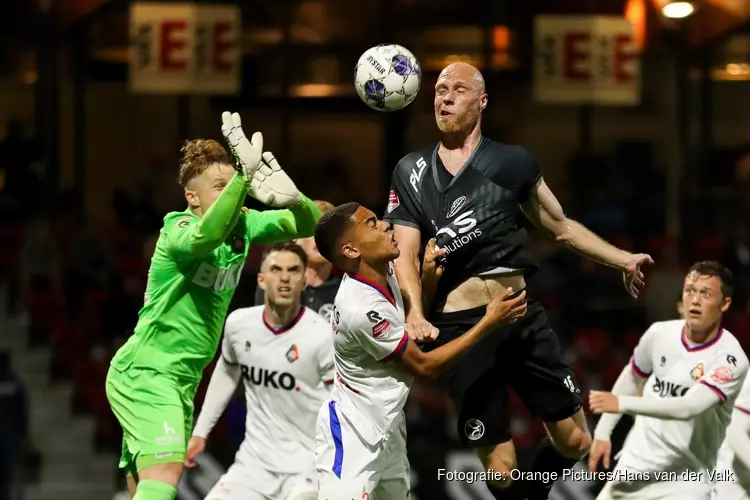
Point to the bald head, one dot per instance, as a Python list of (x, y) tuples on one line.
[(460, 99), (465, 72)]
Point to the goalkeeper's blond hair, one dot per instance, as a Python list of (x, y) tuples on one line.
[(197, 155)]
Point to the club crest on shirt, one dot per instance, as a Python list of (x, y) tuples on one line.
[(292, 354), (381, 328), (722, 375), (697, 372), (456, 206), (393, 201)]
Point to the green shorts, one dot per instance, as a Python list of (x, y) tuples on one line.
[(156, 415)]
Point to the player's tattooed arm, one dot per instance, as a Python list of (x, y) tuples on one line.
[(544, 210)]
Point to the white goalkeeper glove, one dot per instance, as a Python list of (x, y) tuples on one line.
[(272, 186), (247, 154)]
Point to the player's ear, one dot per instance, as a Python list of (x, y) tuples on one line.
[(192, 198), (482, 102), (261, 282), (350, 251), (727, 304)]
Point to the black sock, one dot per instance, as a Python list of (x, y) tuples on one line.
[(513, 492), (547, 459)]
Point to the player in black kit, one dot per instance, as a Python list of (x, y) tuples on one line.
[(321, 285), (469, 192)]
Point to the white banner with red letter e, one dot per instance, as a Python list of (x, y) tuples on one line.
[(585, 60), (185, 48)]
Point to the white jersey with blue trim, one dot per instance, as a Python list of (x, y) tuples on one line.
[(727, 461), (288, 373), (368, 325), (672, 365)]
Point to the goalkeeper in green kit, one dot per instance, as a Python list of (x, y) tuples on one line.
[(194, 271)]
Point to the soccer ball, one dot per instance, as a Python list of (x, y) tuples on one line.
[(387, 77)]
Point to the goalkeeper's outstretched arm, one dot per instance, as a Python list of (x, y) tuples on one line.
[(197, 237), (274, 226)]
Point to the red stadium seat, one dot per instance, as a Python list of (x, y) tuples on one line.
[(592, 343)]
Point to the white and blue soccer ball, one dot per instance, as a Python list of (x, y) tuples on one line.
[(387, 77)]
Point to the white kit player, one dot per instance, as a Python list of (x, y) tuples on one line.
[(284, 354), (690, 372), (734, 455), (360, 449)]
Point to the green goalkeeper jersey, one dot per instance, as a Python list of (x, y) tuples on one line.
[(194, 272)]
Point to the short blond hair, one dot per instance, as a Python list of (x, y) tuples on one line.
[(199, 154)]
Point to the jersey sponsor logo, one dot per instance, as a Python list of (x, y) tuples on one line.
[(722, 375), (374, 316), (457, 205), (416, 174), (292, 354), (474, 429), (223, 278), (731, 360), (381, 328), (461, 231), (393, 201), (697, 372), (272, 379), (667, 389), (169, 437)]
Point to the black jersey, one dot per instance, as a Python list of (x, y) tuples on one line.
[(318, 298), (474, 214)]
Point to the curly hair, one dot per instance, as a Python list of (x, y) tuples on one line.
[(197, 155)]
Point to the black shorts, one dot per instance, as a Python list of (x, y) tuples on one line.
[(526, 356)]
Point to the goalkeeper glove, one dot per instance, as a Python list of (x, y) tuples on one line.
[(247, 154), (272, 186)]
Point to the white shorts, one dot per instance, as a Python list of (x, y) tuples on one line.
[(260, 484), (643, 490), (350, 468), (729, 490)]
